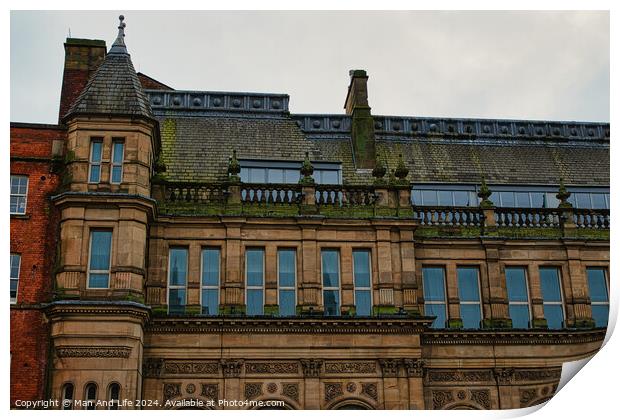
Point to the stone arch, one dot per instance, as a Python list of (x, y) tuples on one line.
[(349, 403)]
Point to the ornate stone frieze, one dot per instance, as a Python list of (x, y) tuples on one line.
[(441, 399), (351, 387), (183, 367), (509, 337), (526, 396), (482, 397), (538, 375), (231, 368), (504, 376), (95, 352), (153, 367), (209, 391), (172, 390), (291, 390), (272, 367), (190, 388), (350, 367), (459, 376), (332, 390), (389, 367), (311, 367), (253, 390), (414, 367), (272, 387), (370, 390)]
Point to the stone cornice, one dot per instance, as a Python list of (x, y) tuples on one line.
[(290, 326), (513, 337), (118, 199), (63, 308)]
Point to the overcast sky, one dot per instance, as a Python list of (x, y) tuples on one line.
[(523, 65)]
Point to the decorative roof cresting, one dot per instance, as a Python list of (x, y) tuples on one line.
[(119, 46)]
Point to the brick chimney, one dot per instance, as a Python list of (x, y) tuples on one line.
[(82, 57), (362, 123)]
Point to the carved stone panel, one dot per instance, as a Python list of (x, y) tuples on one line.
[(481, 397), (332, 390), (504, 376), (253, 390), (153, 367), (95, 352), (370, 390), (389, 367), (441, 399), (350, 367), (231, 368), (447, 376), (291, 391), (538, 375), (414, 367), (183, 367), (209, 391), (272, 368), (172, 390), (311, 367)]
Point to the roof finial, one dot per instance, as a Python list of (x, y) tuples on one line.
[(119, 45)]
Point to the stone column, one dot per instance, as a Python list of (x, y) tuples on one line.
[(231, 369), (312, 388), (310, 285), (390, 369), (454, 309), (408, 276), (415, 374), (581, 303), (385, 305), (233, 284), (504, 378), (497, 313), (538, 315)]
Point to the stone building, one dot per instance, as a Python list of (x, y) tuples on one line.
[(214, 246)]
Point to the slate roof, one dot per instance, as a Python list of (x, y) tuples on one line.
[(199, 130)]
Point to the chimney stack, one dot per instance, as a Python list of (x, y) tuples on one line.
[(362, 123), (82, 57)]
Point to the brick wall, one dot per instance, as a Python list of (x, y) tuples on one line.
[(33, 236)]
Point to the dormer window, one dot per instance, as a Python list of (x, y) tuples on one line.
[(94, 171), (287, 172)]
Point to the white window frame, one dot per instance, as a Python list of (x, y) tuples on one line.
[(527, 291), (90, 253), (176, 286), (19, 268), (599, 303), (219, 274), (92, 163), (116, 140), (91, 403), (25, 195), (471, 302), (294, 287), (67, 403), (560, 286), (338, 288), (445, 293), (261, 287), (362, 288)]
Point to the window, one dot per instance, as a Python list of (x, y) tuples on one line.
[(518, 297), (67, 397), (287, 172), (552, 297), (177, 280), (469, 296), (118, 153), (444, 197), (330, 267), (362, 282), (255, 281), (434, 283), (210, 294), (287, 300), (597, 284), (99, 265), (91, 396), (96, 146), (114, 392), (15, 264), (19, 192)]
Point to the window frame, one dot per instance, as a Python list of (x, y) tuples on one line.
[(471, 302), (92, 163), (262, 286), (528, 303), (25, 195), (177, 287), (560, 287), (219, 277), (63, 396), (606, 282), (368, 288), (445, 294), (117, 140), (280, 287), (338, 288), (114, 402), (90, 253), (19, 269), (91, 404)]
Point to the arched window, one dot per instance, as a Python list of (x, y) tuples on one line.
[(114, 394), (91, 396), (67, 397)]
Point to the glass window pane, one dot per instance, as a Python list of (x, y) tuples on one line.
[(516, 284), (275, 176), (331, 302), (178, 266), (361, 268), (470, 314), (291, 176), (14, 205), (117, 172), (286, 267), (255, 302), (287, 302), (210, 301), (210, 267), (551, 201), (254, 261), (94, 173), (15, 266), (600, 313), (461, 198), (522, 199), (117, 153), (433, 282), (257, 175), (582, 200), (176, 301), (96, 151), (100, 250), (550, 284), (538, 199), (598, 201), (331, 275), (468, 284), (520, 315), (416, 196), (508, 198), (597, 285), (245, 175), (444, 198), (329, 177), (572, 199), (429, 197), (438, 310), (554, 316), (362, 303), (98, 281), (495, 198)]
